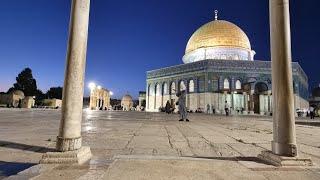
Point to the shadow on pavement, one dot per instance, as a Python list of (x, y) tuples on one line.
[(12, 168), (25, 147), (312, 123)]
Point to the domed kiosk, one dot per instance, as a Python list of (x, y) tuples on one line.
[(218, 67), (127, 102)]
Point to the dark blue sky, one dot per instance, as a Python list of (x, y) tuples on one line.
[(127, 38)]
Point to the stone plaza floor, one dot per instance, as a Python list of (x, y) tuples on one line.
[(138, 145)]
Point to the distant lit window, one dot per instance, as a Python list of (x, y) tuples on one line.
[(191, 86), (238, 85), (226, 84), (182, 86), (173, 88)]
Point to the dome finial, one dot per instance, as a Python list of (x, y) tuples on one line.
[(216, 15)]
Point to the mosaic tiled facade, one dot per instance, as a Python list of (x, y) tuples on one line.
[(218, 70), (207, 78)]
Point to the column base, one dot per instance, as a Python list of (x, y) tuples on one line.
[(245, 112), (79, 157), (262, 113), (251, 112), (68, 144), (284, 161)]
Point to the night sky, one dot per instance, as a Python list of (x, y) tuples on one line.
[(129, 37)]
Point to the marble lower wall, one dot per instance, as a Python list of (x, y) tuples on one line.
[(236, 102), (300, 103)]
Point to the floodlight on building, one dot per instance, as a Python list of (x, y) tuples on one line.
[(111, 93), (92, 85), (99, 87)]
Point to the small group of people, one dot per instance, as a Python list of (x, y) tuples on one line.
[(181, 106), (211, 109), (183, 109)]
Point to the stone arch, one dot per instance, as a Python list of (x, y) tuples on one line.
[(165, 89), (260, 87), (260, 100), (157, 89)]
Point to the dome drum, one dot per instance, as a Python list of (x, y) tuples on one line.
[(220, 53)]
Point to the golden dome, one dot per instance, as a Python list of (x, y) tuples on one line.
[(218, 33)]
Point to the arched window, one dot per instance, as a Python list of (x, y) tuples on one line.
[(158, 90), (191, 86), (182, 86), (224, 57), (226, 84), (165, 89), (238, 85), (173, 88)]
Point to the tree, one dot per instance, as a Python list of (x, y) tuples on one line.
[(55, 92), (26, 83), (39, 97)]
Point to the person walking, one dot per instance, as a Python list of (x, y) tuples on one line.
[(227, 108), (208, 108), (213, 109), (182, 105), (311, 109)]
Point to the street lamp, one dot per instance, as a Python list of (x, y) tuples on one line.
[(111, 93), (92, 86)]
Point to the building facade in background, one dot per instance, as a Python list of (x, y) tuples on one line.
[(99, 99)]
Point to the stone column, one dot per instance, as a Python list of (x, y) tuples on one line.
[(269, 103), (69, 140), (232, 104), (245, 98), (284, 135), (252, 102), (284, 139)]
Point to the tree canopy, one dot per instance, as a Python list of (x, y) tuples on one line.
[(26, 83), (55, 92)]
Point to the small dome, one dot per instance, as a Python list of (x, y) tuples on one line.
[(18, 93), (316, 92), (127, 98), (218, 33)]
